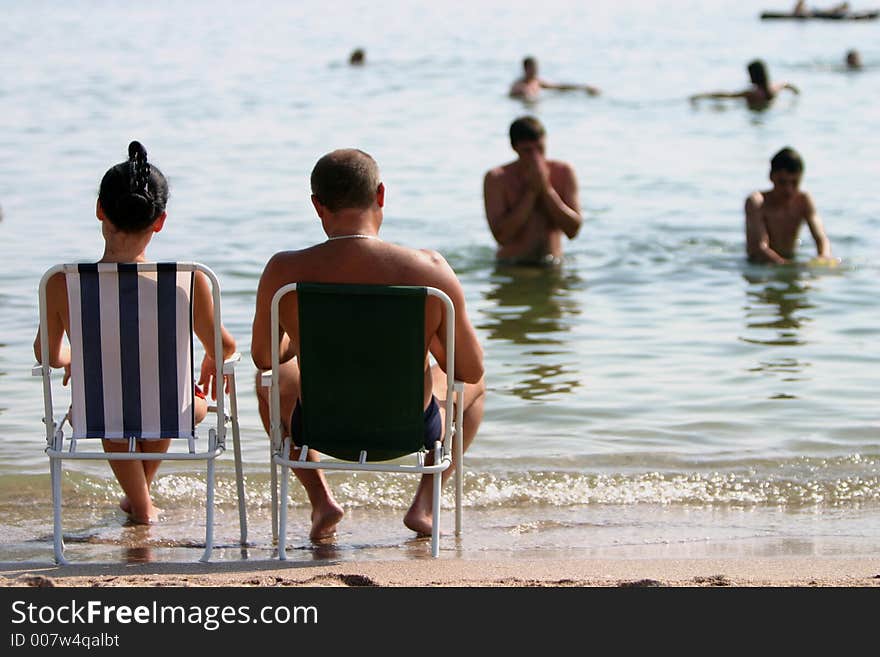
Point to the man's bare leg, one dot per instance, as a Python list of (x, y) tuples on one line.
[(418, 517), (326, 512)]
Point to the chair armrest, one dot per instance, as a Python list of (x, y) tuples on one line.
[(458, 386), (230, 363), (37, 370), (266, 379)]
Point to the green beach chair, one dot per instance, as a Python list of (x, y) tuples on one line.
[(362, 367)]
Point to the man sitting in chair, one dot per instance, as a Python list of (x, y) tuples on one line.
[(348, 196)]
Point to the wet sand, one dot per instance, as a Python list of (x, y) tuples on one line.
[(765, 572)]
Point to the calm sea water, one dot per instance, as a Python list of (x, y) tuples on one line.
[(656, 395)]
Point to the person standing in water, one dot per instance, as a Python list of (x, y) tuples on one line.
[(774, 217), (533, 201)]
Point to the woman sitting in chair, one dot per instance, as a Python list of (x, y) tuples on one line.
[(131, 209)]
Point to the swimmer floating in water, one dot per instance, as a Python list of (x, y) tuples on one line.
[(760, 94), (853, 60), (529, 86)]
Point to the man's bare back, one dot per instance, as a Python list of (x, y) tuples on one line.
[(366, 261)]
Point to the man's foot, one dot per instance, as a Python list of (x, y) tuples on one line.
[(419, 520), (324, 521)]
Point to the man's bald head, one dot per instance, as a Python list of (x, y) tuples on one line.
[(346, 178)]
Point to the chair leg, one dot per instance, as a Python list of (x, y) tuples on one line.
[(282, 530), (209, 511), (274, 484), (57, 538), (435, 506), (239, 473), (458, 451)]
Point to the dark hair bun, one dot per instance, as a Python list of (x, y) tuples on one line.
[(139, 174)]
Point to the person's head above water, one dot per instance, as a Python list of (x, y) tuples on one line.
[(530, 67), (786, 170), (346, 178), (133, 194), (524, 129), (758, 74), (853, 59), (787, 159), (357, 57)]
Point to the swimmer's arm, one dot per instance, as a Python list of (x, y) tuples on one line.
[(757, 237), (817, 230), (593, 91), (505, 224), (786, 85), (56, 306), (563, 206), (720, 94)]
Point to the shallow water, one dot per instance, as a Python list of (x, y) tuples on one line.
[(654, 393)]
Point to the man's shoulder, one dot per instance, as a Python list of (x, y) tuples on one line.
[(285, 265), (500, 171), (755, 199), (561, 165)]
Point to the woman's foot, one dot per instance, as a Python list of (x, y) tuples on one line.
[(150, 517)]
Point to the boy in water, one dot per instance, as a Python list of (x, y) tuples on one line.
[(774, 217)]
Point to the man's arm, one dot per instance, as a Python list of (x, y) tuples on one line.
[(261, 332), (468, 352), (757, 237), (563, 205), (505, 224), (593, 91), (721, 94), (817, 230)]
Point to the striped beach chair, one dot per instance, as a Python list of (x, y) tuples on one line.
[(362, 369), (131, 341)]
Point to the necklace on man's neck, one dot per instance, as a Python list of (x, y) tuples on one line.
[(354, 236)]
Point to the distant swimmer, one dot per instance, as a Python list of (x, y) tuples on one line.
[(358, 57), (760, 94), (774, 217), (853, 60), (531, 202), (529, 86)]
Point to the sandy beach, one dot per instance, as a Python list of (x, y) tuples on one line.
[(769, 572)]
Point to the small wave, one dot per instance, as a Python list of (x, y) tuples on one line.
[(835, 482)]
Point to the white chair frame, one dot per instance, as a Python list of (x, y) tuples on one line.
[(443, 450), (55, 438)]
